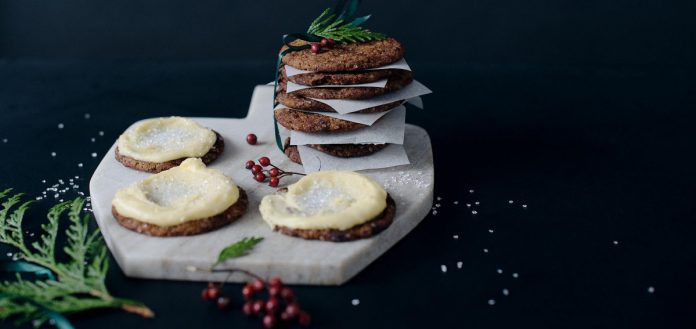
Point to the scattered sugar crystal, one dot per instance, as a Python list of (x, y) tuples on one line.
[(355, 302), (515, 275), (456, 202), (101, 133), (510, 201), (61, 126), (455, 237), (616, 242), (93, 139), (500, 271), (437, 205), (439, 198), (468, 205), (9, 254), (434, 212), (79, 164), (443, 268), (491, 302), (4, 140), (477, 203), (43, 181), (460, 264), (471, 191), (474, 212), (490, 231), (53, 154), (87, 115), (56, 196), (38, 198), (524, 206), (506, 292), (651, 289), (485, 250), (94, 154)]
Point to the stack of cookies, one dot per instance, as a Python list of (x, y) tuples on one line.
[(342, 94)]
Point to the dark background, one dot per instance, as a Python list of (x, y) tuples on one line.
[(583, 110)]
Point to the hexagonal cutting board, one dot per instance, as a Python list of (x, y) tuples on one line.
[(295, 260)]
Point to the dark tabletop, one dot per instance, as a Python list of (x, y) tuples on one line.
[(582, 180)]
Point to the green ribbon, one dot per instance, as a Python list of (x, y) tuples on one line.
[(40, 272), (346, 9)]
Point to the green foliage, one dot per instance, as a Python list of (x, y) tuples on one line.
[(237, 249), (79, 283), (328, 26)]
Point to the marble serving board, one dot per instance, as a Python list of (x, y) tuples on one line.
[(295, 260)]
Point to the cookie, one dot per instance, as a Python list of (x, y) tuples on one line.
[(346, 57), (344, 78), (362, 231), (394, 83), (337, 150), (313, 122), (193, 227), (308, 104), (155, 167)]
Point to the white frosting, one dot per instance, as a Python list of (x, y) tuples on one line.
[(165, 139), (187, 192), (325, 200)]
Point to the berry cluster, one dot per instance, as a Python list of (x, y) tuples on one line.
[(281, 307), (212, 292), (325, 43), (261, 174)]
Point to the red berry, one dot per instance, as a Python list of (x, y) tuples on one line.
[(274, 182), (269, 321), (272, 305), (287, 294), (213, 293), (204, 294), (256, 169), (274, 291), (260, 177), (330, 43), (324, 42), (315, 48), (285, 316), (274, 172), (258, 284), (248, 308), (305, 320), (223, 302), (293, 309), (264, 161), (249, 164), (248, 292), (275, 281), (257, 307), (251, 139)]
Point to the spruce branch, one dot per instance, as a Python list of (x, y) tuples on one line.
[(79, 283), (328, 25)]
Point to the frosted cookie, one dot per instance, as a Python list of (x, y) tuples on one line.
[(159, 144), (185, 200), (337, 150), (331, 206)]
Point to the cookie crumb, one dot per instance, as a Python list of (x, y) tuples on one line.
[(460, 264), (506, 292), (491, 302), (61, 126), (355, 302), (651, 290), (443, 268)]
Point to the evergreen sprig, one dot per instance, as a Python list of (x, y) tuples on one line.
[(328, 25), (237, 249), (79, 281)]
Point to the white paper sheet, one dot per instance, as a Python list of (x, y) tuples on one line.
[(362, 118), (390, 156), (388, 130), (343, 106), (291, 86), (398, 65)]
